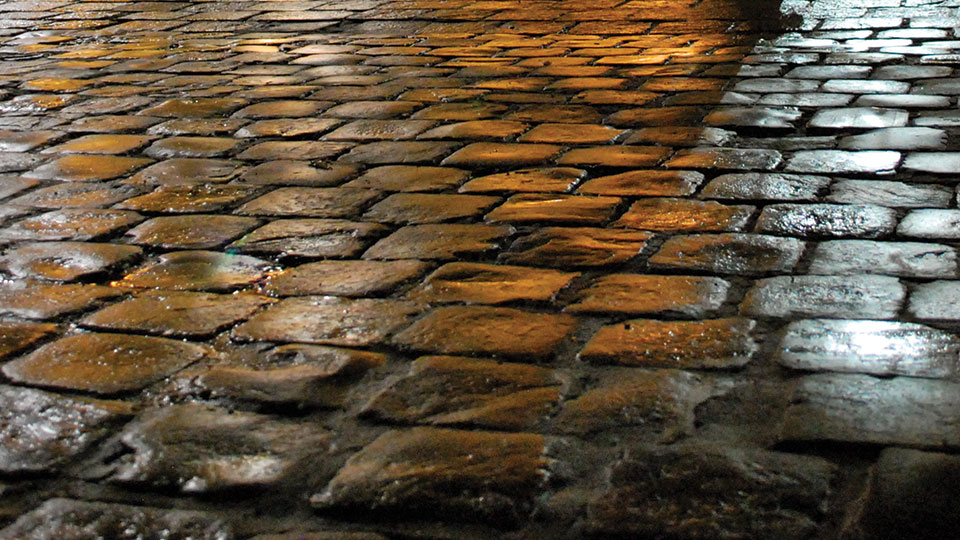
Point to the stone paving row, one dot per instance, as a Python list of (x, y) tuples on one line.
[(466, 269)]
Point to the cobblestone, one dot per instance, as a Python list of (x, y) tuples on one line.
[(693, 266)]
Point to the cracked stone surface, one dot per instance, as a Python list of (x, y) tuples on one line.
[(383, 269)]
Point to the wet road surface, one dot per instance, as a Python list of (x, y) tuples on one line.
[(465, 269)]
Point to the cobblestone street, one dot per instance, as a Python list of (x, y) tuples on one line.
[(479, 269)]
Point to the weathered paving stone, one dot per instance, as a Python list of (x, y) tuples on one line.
[(282, 109), (420, 208), (16, 161), (195, 231), (564, 247), (43, 431), (935, 301), (709, 344), (658, 405), (297, 173), (893, 194), (945, 87), (570, 134), (310, 238), (898, 138), (198, 270), (536, 180), (842, 297), (400, 152), (181, 171), (448, 474), (103, 363), (488, 331), (197, 126), (296, 150), (684, 215), (71, 224), (195, 107), (754, 117), (578, 114), (287, 127), (111, 124), (373, 109), (87, 168), (847, 86), (501, 130), (765, 186), (931, 224), (725, 159), (65, 519), (439, 241), (199, 449), (409, 178), (377, 130), (859, 117), (76, 195), (39, 300), (871, 347), (779, 85), (179, 314), (490, 284), (24, 141), (17, 336), (303, 375), (328, 320), (11, 185), (827, 220), (657, 295), (907, 496), (749, 254), (903, 259), (681, 136), (488, 154), (843, 161), (865, 409), (933, 162), (344, 278), (541, 208), (65, 261), (454, 391), (644, 183), (615, 156), (903, 101), (713, 493), (188, 199), (101, 144), (310, 202)]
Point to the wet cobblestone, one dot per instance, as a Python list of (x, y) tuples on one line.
[(458, 269)]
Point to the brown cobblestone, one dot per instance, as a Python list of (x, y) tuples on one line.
[(487, 330), (103, 363), (302, 375), (328, 320), (709, 344), (577, 247), (453, 391), (503, 475), (180, 314), (490, 284), (655, 295)]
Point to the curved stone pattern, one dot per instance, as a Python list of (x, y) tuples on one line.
[(460, 269)]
